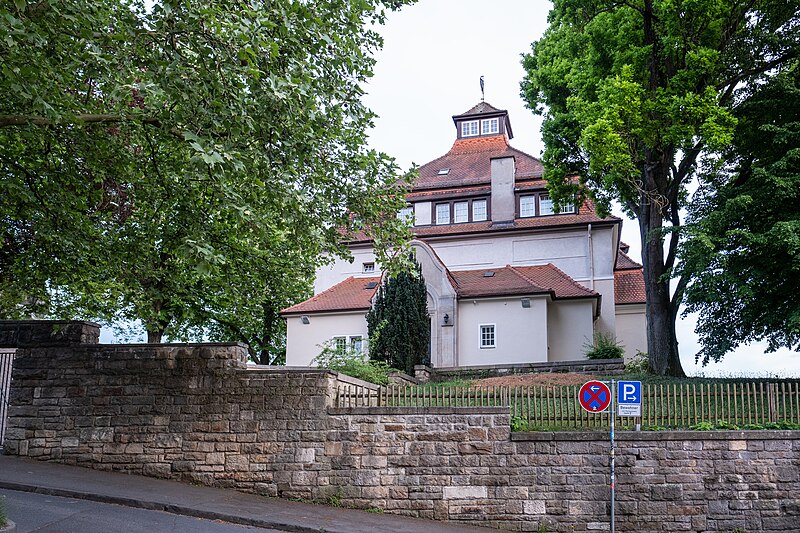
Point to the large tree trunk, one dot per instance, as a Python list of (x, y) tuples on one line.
[(154, 337), (662, 342)]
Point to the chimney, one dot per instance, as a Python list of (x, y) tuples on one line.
[(503, 205)]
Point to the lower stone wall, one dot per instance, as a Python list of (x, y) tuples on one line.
[(463, 465), (605, 367), (197, 413)]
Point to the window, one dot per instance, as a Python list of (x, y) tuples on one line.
[(490, 125), (340, 344), (442, 213), (356, 343), (527, 206), (478, 210), (545, 205), (461, 212), (368, 268), (406, 214), (567, 208), (444, 171), (469, 128), (487, 336)]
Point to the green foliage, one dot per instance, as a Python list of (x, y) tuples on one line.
[(605, 346), (743, 249), (638, 364), (3, 512), (185, 163), (398, 322), (633, 97), (725, 425), (354, 364)]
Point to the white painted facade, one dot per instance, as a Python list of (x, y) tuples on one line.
[(306, 341), (632, 328)]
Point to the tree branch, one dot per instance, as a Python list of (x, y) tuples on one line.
[(731, 82), (85, 118)]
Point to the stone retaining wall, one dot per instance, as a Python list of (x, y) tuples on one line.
[(605, 367), (196, 413)]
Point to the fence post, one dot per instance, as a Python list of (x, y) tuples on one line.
[(771, 400)]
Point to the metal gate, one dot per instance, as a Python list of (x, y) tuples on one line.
[(6, 361)]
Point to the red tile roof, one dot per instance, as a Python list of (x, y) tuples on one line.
[(519, 280), (469, 161), (624, 262), (629, 287), (351, 294)]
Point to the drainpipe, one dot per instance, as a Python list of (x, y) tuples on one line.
[(591, 256)]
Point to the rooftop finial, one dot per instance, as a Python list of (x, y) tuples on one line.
[(482, 93)]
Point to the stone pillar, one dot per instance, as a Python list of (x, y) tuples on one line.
[(42, 333)]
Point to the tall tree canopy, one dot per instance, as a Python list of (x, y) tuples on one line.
[(398, 322), (184, 163), (743, 245), (635, 95)]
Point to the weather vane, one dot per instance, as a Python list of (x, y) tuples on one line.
[(482, 93)]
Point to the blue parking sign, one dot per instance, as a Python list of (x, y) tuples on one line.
[(629, 398)]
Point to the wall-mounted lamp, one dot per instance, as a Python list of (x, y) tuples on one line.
[(526, 303), (305, 320), (446, 319)]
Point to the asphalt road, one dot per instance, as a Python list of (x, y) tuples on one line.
[(51, 514)]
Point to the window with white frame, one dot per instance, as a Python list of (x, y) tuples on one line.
[(567, 208), (478, 210), (545, 205), (340, 343), (469, 128), (367, 268), (442, 213), (527, 206), (487, 336), (460, 212), (490, 125), (356, 343), (406, 214)]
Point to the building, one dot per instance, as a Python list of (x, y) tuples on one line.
[(510, 278)]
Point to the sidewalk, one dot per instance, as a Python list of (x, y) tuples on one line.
[(204, 502)]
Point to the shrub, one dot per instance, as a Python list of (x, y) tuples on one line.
[(352, 363), (604, 347), (639, 364)]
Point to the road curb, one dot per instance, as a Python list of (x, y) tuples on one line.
[(167, 508)]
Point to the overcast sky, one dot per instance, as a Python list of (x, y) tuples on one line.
[(429, 69)]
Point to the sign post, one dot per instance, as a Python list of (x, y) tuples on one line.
[(596, 397)]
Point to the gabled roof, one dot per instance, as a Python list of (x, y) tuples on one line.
[(519, 280), (469, 161), (352, 294), (624, 262), (629, 287)]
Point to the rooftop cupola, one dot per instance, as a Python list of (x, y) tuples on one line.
[(483, 120)]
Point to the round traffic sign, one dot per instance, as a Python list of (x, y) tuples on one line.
[(594, 396)]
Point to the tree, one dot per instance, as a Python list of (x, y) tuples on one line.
[(184, 164), (636, 95), (398, 322), (743, 245)]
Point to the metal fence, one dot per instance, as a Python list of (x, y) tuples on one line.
[(557, 407), (6, 362)]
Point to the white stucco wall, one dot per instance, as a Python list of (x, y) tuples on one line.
[(520, 334), (341, 269), (304, 341), (632, 328), (569, 328)]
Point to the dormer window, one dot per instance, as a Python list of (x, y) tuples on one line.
[(489, 126), (368, 268), (469, 128)]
